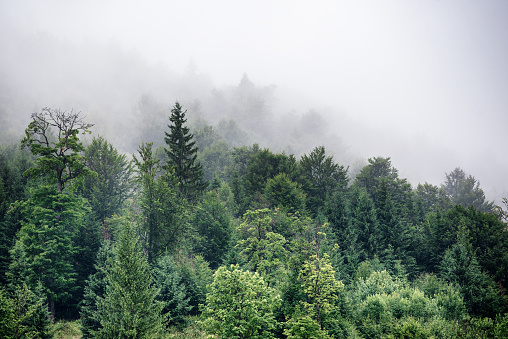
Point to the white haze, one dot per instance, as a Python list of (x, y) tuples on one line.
[(423, 82)]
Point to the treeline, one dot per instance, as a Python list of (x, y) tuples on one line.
[(200, 236)]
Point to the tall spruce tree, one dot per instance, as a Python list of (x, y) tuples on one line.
[(181, 155), (128, 308)]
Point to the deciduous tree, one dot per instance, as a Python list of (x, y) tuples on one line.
[(240, 305), (53, 137)]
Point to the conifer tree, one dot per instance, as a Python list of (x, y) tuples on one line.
[(94, 290), (129, 308), (45, 246), (181, 155), (163, 211)]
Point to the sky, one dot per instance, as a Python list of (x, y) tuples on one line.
[(427, 79)]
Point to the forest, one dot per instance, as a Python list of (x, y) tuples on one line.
[(200, 232)]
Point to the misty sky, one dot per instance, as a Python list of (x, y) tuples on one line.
[(431, 77)]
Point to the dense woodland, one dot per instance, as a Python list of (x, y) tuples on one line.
[(202, 232)]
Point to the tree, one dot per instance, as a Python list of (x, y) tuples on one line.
[(106, 192), (433, 198), (162, 210), (318, 282), (216, 159), (14, 188), (240, 305), (95, 289), (261, 248), (59, 152), (283, 193), (24, 313), (173, 291), (460, 266), (465, 190), (129, 308), (45, 246), (181, 155), (323, 175), (214, 228), (381, 170)]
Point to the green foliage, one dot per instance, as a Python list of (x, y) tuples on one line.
[(449, 301), (181, 155), (252, 168), (318, 283), (24, 313), (45, 245), (465, 190), (214, 227), (106, 192), (129, 308), (240, 305), (383, 307), (172, 291), (304, 327), (261, 249), (283, 193), (233, 135), (323, 176), (215, 159), (460, 266), (66, 329), (163, 216), (95, 289), (433, 198), (59, 153), (196, 275)]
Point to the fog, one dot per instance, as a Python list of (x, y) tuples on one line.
[(422, 82)]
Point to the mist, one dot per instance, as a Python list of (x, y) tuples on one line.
[(421, 82)]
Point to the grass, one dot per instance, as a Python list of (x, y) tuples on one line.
[(66, 329)]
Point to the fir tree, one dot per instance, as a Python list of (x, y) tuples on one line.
[(94, 290), (128, 308), (45, 247), (181, 155)]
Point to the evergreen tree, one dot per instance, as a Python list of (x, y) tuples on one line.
[(323, 175), (129, 308), (283, 193), (181, 155), (45, 245), (460, 266), (24, 313), (214, 227), (464, 190), (173, 291), (95, 289), (162, 210)]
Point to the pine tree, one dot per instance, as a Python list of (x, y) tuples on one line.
[(181, 155), (129, 308)]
